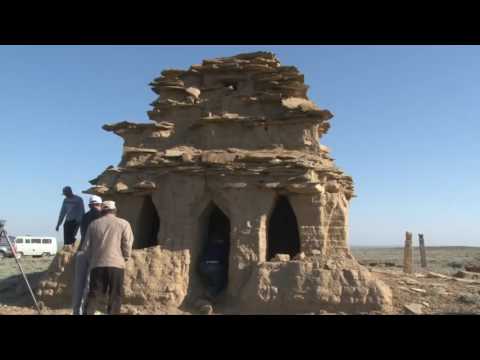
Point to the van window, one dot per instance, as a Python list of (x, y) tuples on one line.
[(27, 241), (46, 241), (36, 241), (19, 241)]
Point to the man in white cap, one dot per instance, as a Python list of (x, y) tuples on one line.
[(95, 205), (109, 241), (81, 278)]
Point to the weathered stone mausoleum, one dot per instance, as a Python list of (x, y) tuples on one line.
[(233, 144)]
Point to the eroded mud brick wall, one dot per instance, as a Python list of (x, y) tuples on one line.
[(237, 133)]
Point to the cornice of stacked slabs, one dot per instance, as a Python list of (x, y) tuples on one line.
[(244, 115)]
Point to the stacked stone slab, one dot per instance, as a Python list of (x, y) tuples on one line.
[(238, 132)]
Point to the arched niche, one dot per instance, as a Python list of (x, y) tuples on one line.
[(282, 230)]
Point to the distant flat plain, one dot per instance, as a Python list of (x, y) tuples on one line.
[(443, 259)]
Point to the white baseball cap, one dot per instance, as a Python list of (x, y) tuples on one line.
[(109, 205), (94, 199)]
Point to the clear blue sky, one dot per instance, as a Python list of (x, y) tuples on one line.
[(406, 127)]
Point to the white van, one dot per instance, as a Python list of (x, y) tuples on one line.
[(36, 245)]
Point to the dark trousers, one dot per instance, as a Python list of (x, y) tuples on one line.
[(105, 283), (70, 229)]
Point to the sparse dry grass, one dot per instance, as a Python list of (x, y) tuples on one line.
[(446, 260), (8, 266)]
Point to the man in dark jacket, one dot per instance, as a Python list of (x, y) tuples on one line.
[(72, 212), (81, 280)]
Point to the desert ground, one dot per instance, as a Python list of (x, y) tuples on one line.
[(449, 285)]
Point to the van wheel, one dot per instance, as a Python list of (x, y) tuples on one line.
[(2, 255)]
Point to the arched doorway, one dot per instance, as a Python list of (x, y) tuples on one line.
[(148, 225), (283, 235), (215, 250)]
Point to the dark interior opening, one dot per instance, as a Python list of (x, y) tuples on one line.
[(148, 226), (283, 235), (231, 85), (216, 228)]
